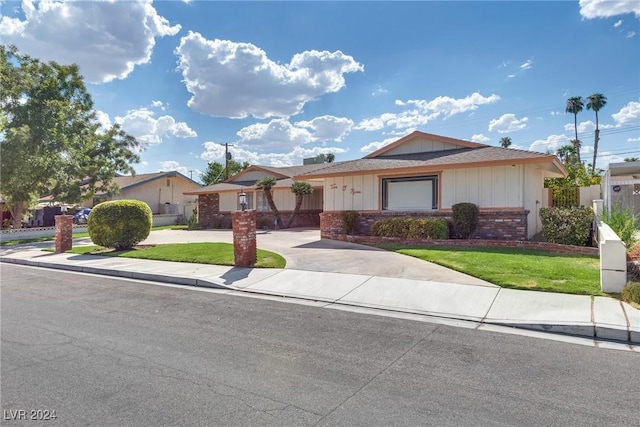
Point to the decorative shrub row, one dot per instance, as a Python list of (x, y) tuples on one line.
[(465, 219), (411, 228), (120, 224), (567, 226)]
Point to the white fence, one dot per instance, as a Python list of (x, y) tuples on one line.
[(37, 232)]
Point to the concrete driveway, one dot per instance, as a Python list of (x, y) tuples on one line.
[(304, 250)]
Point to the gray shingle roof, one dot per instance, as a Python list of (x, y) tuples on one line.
[(433, 160)]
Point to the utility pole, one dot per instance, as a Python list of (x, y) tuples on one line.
[(227, 157)]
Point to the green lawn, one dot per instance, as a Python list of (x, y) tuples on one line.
[(79, 235), (516, 268), (202, 253)]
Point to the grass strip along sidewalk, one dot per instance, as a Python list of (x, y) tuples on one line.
[(202, 253), (516, 268)]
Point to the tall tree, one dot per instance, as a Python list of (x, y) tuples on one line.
[(574, 106), (299, 189), (330, 157), (215, 171), (632, 159), (596, 102), (266, 184), (505, 142), (52, 143)]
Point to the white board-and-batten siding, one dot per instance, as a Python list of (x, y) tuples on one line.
[(421, 145), (487, 187)]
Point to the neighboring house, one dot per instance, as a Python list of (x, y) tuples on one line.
[(425, 175), (162, 191), (216, 202), (621, 186)]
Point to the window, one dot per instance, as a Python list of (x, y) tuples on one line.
[(407, 194), (263, 205), (168, 182)]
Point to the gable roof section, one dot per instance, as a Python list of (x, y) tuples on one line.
[(284, 178), (416, 135), (481, 156), (127, 182)]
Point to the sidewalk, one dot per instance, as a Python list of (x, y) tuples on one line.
[(594, 317)]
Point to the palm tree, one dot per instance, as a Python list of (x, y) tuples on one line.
[(299, 189), (330, 157), (631, 159), (567, 153), (577, 144), (265, 184), (574, 106), (505, 142), (596, 102)]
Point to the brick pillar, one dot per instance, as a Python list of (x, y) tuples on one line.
[(245, 250), (64, 233)]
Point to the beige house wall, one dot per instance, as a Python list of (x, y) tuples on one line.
[(358, 192), (421, 145), (160, 191), (488, 187), (252, 176)]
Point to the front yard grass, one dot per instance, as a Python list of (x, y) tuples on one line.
[(201, 253), (516, 268)]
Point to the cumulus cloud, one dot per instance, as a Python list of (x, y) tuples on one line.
[(327, 127), (107, 39), (633, 139), (480, 138), (628, 115), (376, 145), (215, 152), (236, 80), (172, 165), (591, 9), (508, 123), (419, 112), (550, 144), (148, 130)]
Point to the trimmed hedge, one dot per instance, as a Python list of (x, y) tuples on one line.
[(120, 224), (465, 219), (411, 228), (631, 293), (567, 226)]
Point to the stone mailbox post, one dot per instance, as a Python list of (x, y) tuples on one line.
[(245, 250)]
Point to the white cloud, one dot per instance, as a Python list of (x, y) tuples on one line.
[(633, 139), (373, 146), (172, 165), (606, 8), (148, 130), (508, 123), (528, 64), (328, 127), (631, 34), (104, 120), (551, 144), (215, 152), (107, 39), (229, 79), (419, 112), (480, 138), (629, 114), (618, 23), (379, 91)]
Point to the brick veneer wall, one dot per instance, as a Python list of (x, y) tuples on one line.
[(245, 250), (64, 233), (209, 210), (492, 225)]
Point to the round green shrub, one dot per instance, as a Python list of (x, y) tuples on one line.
[(465, 219), (120, 224), (631, 292)]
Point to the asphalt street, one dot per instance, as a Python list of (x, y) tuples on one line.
[(103, 351)]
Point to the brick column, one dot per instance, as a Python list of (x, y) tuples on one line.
[(64, 233), (244, 238)]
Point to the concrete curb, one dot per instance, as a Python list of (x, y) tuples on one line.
[(592, 330)]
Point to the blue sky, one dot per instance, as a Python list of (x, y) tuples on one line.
[(281, 81)]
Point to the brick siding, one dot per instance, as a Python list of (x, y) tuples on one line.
[(244, 238), (492, 225)]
